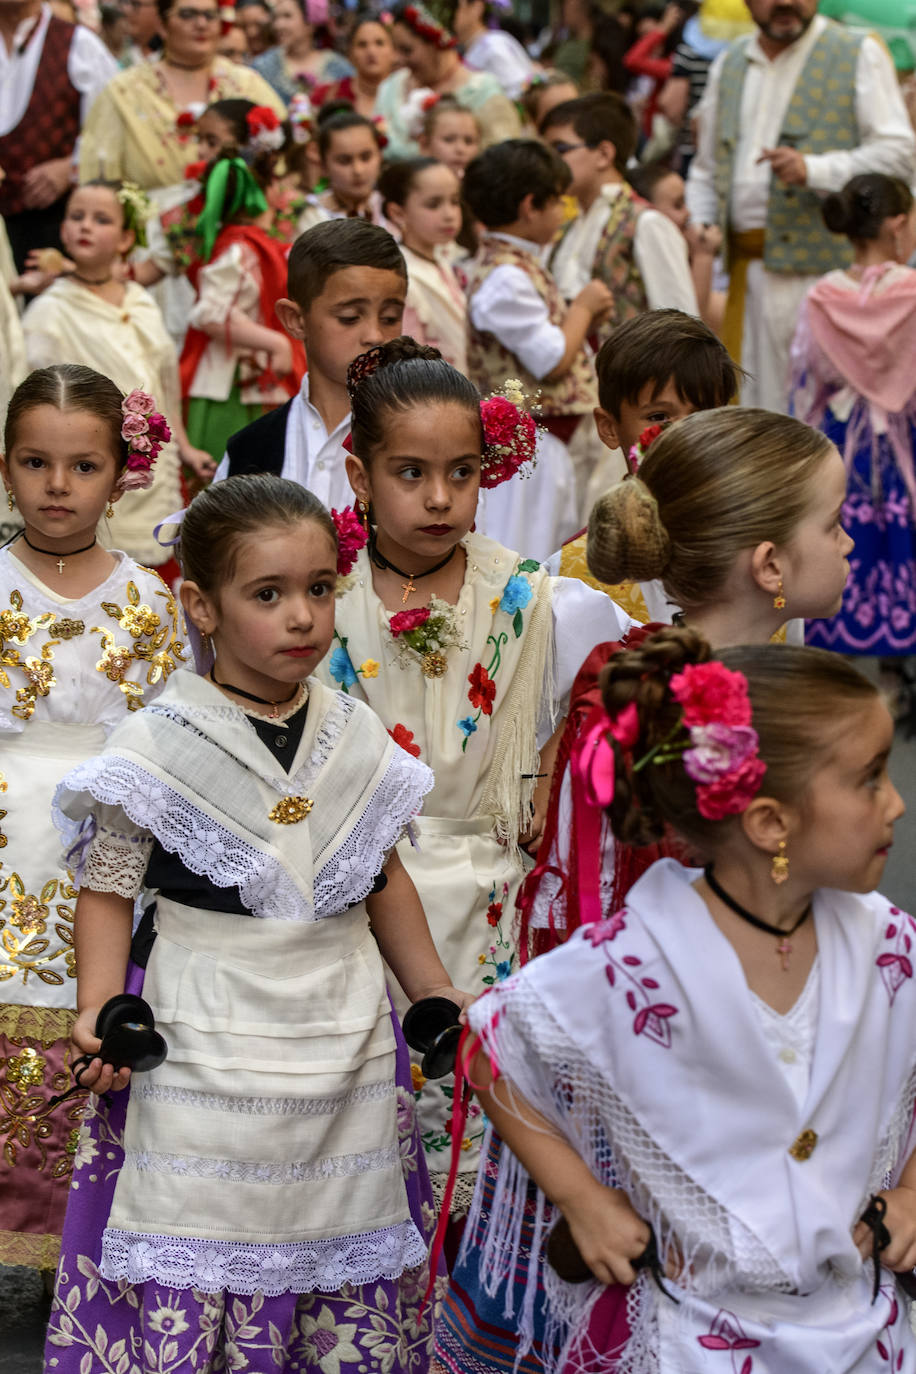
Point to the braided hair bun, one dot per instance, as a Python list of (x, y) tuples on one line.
[(627, 541)]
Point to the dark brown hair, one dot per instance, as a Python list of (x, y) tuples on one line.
[(406, 374), (498, 179), (662, 346), (222, 515), (865, 202), (823, 689), (69, 386), (333, 245), (601, 117)]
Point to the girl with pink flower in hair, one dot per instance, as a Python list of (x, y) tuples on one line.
[(711, 1089), (465, 650), (88, 636)]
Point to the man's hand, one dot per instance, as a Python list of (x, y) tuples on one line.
[(788, 164), (46, 183)]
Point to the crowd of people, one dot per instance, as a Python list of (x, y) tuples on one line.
[(347, 359)]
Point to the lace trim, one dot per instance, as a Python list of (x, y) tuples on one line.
[(33, 1252), (210, 1266), (262, 1106), (203, 846), (259, 1171), (350, 874), (117, 865), (45, 1024)]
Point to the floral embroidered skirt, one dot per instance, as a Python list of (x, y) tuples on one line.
[(114, 1327), (38, 1141)]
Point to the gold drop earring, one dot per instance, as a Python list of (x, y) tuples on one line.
[(780, 869), (779, 600), (109, 511), (10, 499), (363, 511)]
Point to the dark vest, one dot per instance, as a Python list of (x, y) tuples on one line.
[(260, 446), (51, 123)]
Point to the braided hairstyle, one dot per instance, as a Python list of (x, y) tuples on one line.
[(395, 377), (826, 693)]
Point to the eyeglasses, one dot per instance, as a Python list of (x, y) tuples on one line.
[(188, 16), (564, 148)]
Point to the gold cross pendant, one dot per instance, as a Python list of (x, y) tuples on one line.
[(60, 567), (407, 588)]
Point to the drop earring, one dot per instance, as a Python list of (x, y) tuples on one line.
[(10, 500), (109, 511), (780, 869), (362, 508), (779, 600)]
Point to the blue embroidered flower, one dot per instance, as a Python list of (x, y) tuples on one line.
[(341, 668), (503, 968), (468, 725), (516, 595)]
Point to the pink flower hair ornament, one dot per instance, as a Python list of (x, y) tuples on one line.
[(509, 435), (144, 431), (719, 746), (351, 537)]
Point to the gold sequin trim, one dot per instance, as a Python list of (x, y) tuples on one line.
[(290, 810), (804, 1146), (152, 638)]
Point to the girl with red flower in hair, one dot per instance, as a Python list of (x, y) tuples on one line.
[(472, 650)]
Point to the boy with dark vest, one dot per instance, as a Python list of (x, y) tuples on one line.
[(520, 326), (347, 282), (638, 253)]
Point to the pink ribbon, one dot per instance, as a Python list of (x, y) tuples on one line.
[(592, 777)]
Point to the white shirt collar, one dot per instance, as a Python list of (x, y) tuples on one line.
[(343, 425), (537, 250), (29, 31)]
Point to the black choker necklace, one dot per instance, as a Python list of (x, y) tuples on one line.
[(250, 696), (407, 587), (90, 281), (54, 553), (784, 948)]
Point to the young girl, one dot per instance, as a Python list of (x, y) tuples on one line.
[(449, 132), (236, 362), (371, 53), (545, 90), (851, 377), (269, 1208), (116, 326), (422, 199), (87, 637), (453, 640), (692, 1081), (350, 148), (779, 486)]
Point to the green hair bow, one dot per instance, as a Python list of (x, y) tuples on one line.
[(247, 198)]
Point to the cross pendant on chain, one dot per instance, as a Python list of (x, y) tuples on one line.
[(60, 567), (784, 949), (407, 587)]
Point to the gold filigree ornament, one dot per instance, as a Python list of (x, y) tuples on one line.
[(67, 629), (803, 1148), (155, 642), (290, 810), (433, 664), (26, 1070)]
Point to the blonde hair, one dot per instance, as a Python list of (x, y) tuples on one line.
[(714, 484)]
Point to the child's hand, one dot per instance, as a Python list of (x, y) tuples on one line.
[(900, 1221), (596, 297), (607, 1231), (461, 999), (704, 238), (281, 355), (199, 461), (99, 1077)]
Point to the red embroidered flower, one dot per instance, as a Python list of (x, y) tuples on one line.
[(408, 620), (404, 737), (494, 913), (711, 694), (350, 538), (483, 689)]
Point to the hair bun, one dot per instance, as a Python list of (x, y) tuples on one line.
[(397, 350), (837, 211), (627, 541)]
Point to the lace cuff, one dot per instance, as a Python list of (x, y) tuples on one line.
[(117, 856)]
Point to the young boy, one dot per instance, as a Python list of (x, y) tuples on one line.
[(519, 326), (347, 284), (660, 366), (635, 250)]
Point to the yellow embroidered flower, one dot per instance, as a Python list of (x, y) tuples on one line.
[(329, 1344), (417, 1078), (115, 662), (73, 1140), (29, 914), (40, 674), (369, 668), (466, 1143), (14, 625), (494, 604), (481, 958), (139, 620), (26, 1071)]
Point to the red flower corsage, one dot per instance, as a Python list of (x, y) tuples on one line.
[(641, 447), (509, 435)]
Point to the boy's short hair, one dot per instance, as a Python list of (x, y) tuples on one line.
[(601, 117), (331, 246), (662, 346), (647, 175), (498, 180)]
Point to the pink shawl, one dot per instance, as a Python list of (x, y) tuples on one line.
[(870, 336)]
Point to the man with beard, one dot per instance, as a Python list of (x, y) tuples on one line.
[(789, 113)]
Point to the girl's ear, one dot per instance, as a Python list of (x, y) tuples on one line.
[(126, 242), (198, 607), (766, 567), (766, 822), (358, 478), (396, 214)]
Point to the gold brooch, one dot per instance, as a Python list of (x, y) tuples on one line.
[(804, 1146), (433, 664), (66, 629), (290, 810)]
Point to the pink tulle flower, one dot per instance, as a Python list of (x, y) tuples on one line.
[(711, 694), (138, 403), (718, 750), (404, 621), (351, 537)]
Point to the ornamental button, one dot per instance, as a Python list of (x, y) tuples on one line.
[(804, 1146)]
